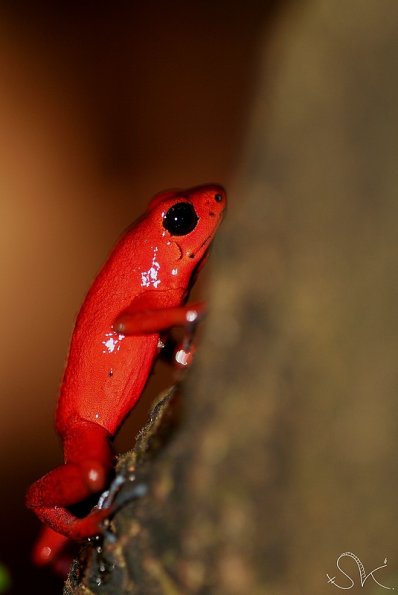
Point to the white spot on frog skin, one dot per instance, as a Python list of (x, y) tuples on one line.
[(93, 475), (150, 277), (112, 343), (174, 271)]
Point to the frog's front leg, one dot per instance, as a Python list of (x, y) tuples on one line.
[(138, 322), (132, 322), (88, 461)]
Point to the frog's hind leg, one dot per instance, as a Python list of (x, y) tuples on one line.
[(88, 461)]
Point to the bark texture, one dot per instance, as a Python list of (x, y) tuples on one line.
[(285, 454)]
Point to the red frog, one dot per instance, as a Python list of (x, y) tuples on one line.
[(137, 297)]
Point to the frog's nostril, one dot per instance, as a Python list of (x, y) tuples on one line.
[(218, 197)]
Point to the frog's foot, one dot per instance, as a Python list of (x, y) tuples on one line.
[(48, 547), (123, 489), (60, 520), (55, 550), (185, 351), (180, 353)]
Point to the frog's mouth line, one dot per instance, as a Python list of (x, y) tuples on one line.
[(197, 269), (209, 239), (193, 254), (206, 241)]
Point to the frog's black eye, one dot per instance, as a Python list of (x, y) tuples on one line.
[(180, 219)]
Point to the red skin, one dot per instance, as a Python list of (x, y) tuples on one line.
[(136, 298)]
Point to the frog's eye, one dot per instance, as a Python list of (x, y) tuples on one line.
[(180, 219)]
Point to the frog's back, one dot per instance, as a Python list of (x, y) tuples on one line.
[(106, 371)]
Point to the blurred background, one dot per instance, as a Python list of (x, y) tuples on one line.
[(101, 106)]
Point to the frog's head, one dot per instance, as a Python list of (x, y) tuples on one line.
[(185, 222)]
